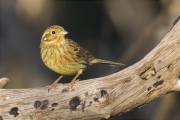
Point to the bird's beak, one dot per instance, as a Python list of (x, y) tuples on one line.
[(63, 32)]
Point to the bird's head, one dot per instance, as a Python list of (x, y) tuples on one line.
[(53, 33)]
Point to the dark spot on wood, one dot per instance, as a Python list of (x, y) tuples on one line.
[(103, 93), (14, 111), (83, 106), (74, 102), (127, 80), (37, 104), (158, 77), (54, 104), (44, 105), (156, 84), (144, 71), (149, 88), (90, 103), (52, 109), (144, 78), (147, 73), (1, 118), (170, 67), (95, 99), (86, 94)]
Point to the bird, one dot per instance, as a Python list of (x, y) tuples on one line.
[(64, 56)]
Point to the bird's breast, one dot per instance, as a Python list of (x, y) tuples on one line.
[(61, 61)]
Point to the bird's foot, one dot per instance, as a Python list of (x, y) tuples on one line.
[(69, 85), (54, 84), (51, 86)]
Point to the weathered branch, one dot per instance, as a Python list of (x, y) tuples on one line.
[(3, 82), (157, 74)]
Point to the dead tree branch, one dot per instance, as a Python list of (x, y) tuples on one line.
[(3, 82), (157, 74)]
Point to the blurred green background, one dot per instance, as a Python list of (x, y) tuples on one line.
[(117, 30)]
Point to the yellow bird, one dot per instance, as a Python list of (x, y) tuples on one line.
[(64, 56)]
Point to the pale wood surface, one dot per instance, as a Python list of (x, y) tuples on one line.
[(157, 74), (3, 82)]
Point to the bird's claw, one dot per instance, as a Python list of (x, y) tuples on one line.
[(51, 86), (69, 86)]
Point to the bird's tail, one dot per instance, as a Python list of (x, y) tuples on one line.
[(95, 61)]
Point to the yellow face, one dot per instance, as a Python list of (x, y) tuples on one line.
[(52, 33)]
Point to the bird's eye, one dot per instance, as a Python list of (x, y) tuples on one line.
[(53, 32)]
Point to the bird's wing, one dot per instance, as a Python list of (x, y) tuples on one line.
[(80, 52)]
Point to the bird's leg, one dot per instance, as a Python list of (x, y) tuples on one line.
[(74, 80), (71, 84), (54, 83)]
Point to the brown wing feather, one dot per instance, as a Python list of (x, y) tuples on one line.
[(81, 53)]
